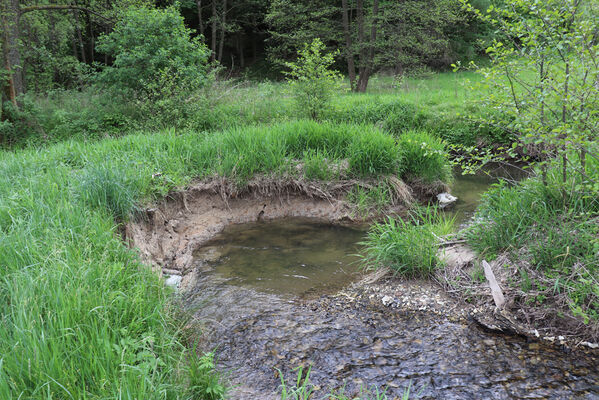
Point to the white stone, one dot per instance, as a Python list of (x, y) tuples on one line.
[(387, 300), (446, 199), (173, 281)]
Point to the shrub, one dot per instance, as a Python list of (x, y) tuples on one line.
[(152, 50), (311, 79)]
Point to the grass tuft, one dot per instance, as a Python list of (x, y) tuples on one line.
[(407, 246)]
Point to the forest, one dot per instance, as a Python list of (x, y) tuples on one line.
[(294, 199)]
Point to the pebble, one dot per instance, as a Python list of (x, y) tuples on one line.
[(387, 300), (173, 281)]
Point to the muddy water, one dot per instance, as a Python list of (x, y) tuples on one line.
[(256, 313)]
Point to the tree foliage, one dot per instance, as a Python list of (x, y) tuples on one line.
[(544, 77), (151, 47), (311, 78)]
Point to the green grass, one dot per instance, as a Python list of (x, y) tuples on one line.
[(81, 317), (555, 234), (441, 104), (408, 246)]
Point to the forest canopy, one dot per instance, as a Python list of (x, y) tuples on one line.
[(49, 45)]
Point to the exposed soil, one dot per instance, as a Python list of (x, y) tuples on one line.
[(167, 235)]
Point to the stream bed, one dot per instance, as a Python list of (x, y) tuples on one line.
[(273, 296)]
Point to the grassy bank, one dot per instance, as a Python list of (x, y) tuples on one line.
[(81, 316), (549, 235), (441, 104)]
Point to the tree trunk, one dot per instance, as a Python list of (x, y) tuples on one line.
[(213, 38), (200, 21), (90, 39), (79, 35), (12, 55), (361, 45), (240, 50), (223, 29), (349, 54), (369, 63)]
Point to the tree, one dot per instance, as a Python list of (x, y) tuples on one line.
[(544, 77), (373, 34), (149, 47), (11, 12), (312, 79)]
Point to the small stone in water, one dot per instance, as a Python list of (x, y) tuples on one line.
[(446, 199)]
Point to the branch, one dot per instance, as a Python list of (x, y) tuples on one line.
[(58, 7)]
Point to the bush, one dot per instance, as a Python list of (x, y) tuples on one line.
[(311, 79), (153, 51)]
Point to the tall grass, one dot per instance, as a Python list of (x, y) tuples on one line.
[(408, 246)]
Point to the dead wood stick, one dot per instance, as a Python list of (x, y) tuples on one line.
[(495, 289)]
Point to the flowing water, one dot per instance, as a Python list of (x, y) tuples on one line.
[(259, 294)]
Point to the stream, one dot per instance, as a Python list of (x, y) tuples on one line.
[(265, 295)]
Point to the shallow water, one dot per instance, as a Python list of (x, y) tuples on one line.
[(252, 302), (293, 256), (469, 188)]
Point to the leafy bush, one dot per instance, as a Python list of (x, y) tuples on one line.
[(153, 54), (311, 79)]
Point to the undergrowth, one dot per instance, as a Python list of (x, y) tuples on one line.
[(440, 105), (551, 234)]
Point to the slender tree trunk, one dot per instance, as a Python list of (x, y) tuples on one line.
[(200, 20), (349, 53), (213, 38), (543, 146), (564, 113), (240, 50), (53, 47), (223, 29), (12, 55), (90, 39), (369, 59), (361, 44), (79, 36)]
